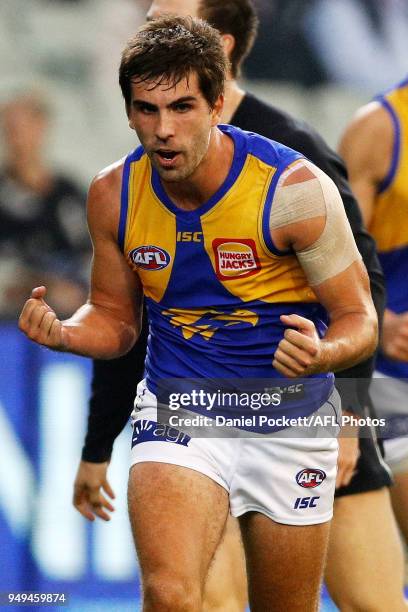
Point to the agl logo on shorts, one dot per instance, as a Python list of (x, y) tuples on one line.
[(235, 258), (149, 257), (309, 478), (145, 430)]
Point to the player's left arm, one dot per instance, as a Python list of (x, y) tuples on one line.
[(308, 216)]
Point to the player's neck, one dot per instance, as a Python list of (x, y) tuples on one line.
[(208, 177), (233, 98)]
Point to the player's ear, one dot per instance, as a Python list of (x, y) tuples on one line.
[(229, 43), (216, 110), (130, 122)]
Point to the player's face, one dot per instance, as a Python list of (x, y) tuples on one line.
[(24, 128), (158, 8), (174, 125)]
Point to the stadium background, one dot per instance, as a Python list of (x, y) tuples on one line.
[(319, 60)]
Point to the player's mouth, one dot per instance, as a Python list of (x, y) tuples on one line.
[(166, 157)]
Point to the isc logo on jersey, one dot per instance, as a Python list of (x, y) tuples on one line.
[(149, 258), (308, 478), (235, 258)]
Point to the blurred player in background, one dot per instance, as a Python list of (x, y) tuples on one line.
[(42, 213), (375, 147), (194, 176), (362, 494)]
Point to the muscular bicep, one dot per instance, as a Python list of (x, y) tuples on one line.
[(114, 286), (309, 217), (366, 147)]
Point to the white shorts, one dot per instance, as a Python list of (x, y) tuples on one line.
[(390, 400), (289, 479), (396, 454)]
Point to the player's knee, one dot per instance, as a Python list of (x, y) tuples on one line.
[(230, 603), (230, 597), (169, 593), (366, 602)]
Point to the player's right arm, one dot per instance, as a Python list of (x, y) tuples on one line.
[(308, 217), (109, 323), (367, 146)]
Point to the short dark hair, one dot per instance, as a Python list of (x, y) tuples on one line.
[(235, 17), (171, 49)]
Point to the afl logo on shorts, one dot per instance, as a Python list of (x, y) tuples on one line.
[(149, 258), (235, 258), (309, 479)]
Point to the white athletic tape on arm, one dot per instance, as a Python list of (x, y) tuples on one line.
[(335, 249)]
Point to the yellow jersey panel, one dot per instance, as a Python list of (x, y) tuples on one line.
[(149, 223), (245, 266), (389, 224)]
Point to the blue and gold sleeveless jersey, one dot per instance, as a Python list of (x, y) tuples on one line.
[(215, 284), (389, 224)]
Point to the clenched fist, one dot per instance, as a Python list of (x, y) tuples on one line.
[(299, 351), (395, 335), (39, 322)]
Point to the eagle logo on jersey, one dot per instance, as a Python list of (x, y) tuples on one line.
[(235, 258), (207, 322), (149, 257)]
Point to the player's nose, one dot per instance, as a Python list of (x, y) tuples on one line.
[(164, 127)]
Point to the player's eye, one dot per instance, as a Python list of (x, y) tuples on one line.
[(182, 107), (146, 109)]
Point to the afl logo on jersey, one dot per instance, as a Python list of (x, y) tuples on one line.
[(235, 258), (309, 479), (149, 258)]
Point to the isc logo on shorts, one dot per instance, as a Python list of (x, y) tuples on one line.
[(309, 478), (235, 258), (149, 258), (305, 502)]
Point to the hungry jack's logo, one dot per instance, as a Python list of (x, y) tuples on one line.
[(235, 258)]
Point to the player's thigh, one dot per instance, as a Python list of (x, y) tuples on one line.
[(284, 563), (399, 498), (364, 569), (178, 516), (226, 585)]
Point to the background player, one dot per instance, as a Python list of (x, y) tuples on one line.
[(42, 212), (205, 169), (375, 147), (350, 580)]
